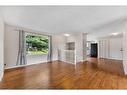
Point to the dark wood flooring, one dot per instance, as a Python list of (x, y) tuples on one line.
[(93, 74)]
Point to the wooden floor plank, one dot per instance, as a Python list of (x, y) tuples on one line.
[(93, 74)]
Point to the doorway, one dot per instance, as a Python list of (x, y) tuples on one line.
[(94, 50)]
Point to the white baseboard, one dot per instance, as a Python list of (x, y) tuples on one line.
[(39, 63), (24, 65), (110, 58)]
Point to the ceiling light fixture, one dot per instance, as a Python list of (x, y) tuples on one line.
[(115, 34), (67, 35)]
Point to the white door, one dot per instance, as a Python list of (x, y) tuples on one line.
[(116, 47)]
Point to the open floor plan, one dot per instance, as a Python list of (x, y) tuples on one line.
[(63, 47)]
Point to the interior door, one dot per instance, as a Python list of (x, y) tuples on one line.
[(116, 48)]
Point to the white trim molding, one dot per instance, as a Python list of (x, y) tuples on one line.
[(125, 50)]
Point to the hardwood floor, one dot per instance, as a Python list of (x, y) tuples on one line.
[(93, 74)]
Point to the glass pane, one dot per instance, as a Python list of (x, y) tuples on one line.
[(37, 48)]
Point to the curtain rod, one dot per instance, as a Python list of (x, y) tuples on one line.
[(32, 32)]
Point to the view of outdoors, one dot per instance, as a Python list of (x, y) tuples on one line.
[(36, 44), (37, 48)]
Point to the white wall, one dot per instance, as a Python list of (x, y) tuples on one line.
[(1, 46), (11, 46), (80, 45), (58, 42), (110, 48)]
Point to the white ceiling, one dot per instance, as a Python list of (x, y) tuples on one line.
[(65, 19)]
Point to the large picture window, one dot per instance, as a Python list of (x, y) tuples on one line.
[(37, 48)]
